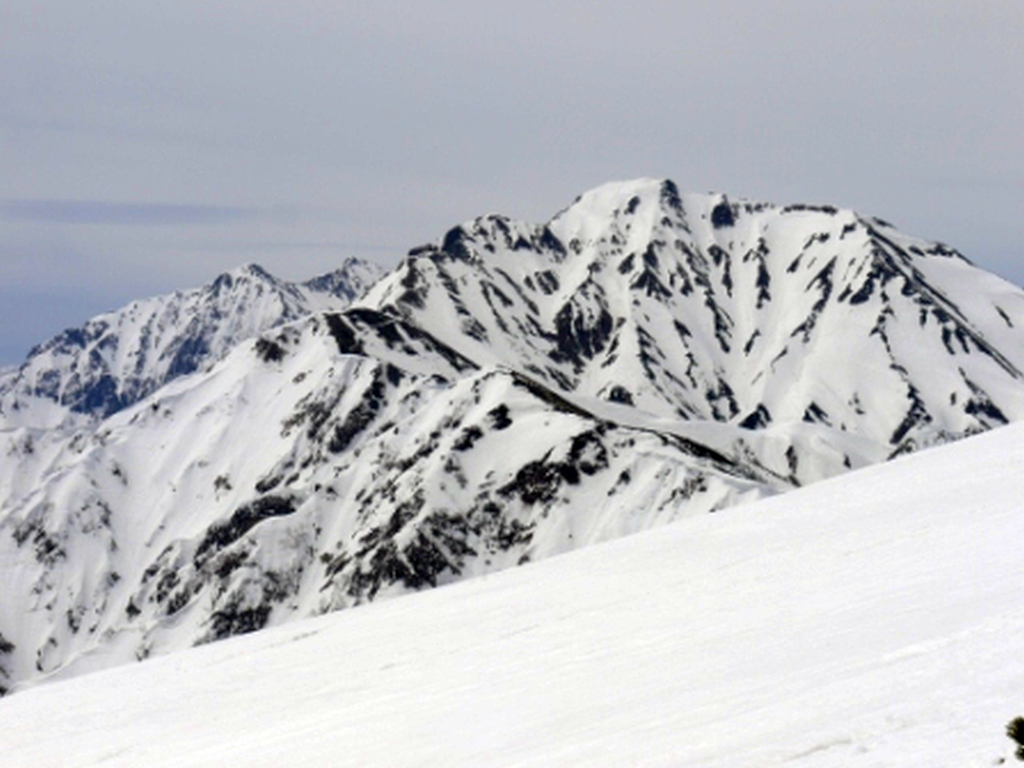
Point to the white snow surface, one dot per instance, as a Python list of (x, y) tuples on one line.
[(874, 619)]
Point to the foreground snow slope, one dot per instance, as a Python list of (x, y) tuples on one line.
[(872, 619)]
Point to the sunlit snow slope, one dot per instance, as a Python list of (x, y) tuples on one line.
[(874, 619)]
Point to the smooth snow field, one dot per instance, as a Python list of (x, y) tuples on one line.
[(876, 619)]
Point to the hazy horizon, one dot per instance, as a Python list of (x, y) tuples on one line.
[(147, 148)]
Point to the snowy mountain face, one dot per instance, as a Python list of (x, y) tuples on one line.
[(118, 358), (511, 392)]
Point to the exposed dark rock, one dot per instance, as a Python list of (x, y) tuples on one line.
[(269, 351), (981, 406), (580, 336), (722, 216), (467, 438), (750, 342), (499, 417), (619, 394), (359, 417), (220, 535), (669, 195), (648, 282), (548, 240), (763, 283), (47, 546), (986, 408), (344, 335), (823, 283), (650, 257), (723, 326), (269, 483), (830, 210), (454, 244), (547, 281), (6, 648), (916, 414), (792, 461), (188, 356), (101, 397), (234, 620), (539, 481), (757, 419), (815, 415)]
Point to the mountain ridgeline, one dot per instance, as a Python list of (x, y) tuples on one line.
[(207, 464)]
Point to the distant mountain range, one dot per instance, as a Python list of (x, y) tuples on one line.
[(213, 462), (118, 358)]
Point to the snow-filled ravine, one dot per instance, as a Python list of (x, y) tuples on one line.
[(874, 619)]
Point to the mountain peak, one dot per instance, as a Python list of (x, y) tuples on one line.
[(607, 199), (243, 274), (619, 202), (252, 270), (348, 281)]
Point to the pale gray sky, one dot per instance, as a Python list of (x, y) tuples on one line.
[(147, 146)]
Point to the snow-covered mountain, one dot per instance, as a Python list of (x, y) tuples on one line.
[(510, 392), (697, 307), (874, 619), (120, 357)]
